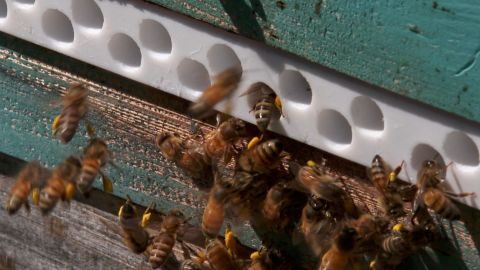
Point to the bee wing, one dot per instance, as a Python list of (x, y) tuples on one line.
[(253, 89), (193, 235)]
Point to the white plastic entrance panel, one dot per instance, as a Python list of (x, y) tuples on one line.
[(179, 55)]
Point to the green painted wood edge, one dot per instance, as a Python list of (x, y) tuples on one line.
[(426, 50)]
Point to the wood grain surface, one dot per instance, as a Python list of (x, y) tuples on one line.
[(128, 115)]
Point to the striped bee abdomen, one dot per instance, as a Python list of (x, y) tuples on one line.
[(160, 249), (263, 112), (90, 170)]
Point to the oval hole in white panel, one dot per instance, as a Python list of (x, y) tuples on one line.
[(57, 26), (3, 9), (193, 75), (423, 152), (125, 50), (155, 37), (461, 149), (295, 88), (334, 127), (87, 14), (366, 114), (221, 57)]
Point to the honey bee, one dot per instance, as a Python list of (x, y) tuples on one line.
[(266, 259), (224, 84), (134, 235), (385, 181), (31, 176), (95, 156), (75, 107), (218, 256), (339, 256), (262, 157), (401, 243), (214, 213), (61, 184), (162, 245), (194, 264), (431, 194), (267, 105), (219, 143), (188, 156), (281, 205)]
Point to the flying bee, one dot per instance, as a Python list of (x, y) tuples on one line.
[(218, 256), (31, 176), (134, 235), (162, 245), (340, 254), (432, 195), (219, 143), (188, 156), (75, 106), (95, 156), (223, 86), (262, 157), (267, 106), (60, 185)]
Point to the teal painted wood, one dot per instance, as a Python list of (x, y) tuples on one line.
[(31, 79), (426, 50)]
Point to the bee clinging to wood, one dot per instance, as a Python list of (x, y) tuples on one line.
[(60, 185), (432, 195), (223, 86), (95, 156), (220, 142), (162, 245), (267, 106), (75, 106), (262, 157), (391, 193), (190, 156), (218, 256), (32, 176), (134, 235)]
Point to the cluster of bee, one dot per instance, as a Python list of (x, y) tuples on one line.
[(303, 215), (74, 174), (285, 202)]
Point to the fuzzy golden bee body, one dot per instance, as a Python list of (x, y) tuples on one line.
[(338, 257), (57, 188), (430, 193), (134, 235), (213, 215), (190, 156), (218, 256), (75, 107), (162, 245), (262, 157), (31, 176), (219, 143), (95, 157), (265, 107), (223, 86)]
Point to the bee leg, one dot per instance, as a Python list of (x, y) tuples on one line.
[(107, 183), (90, 129), (459, 195), (195, 129), (27, 206)]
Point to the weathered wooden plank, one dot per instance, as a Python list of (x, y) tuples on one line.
[(77, 236), (426, 50)]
